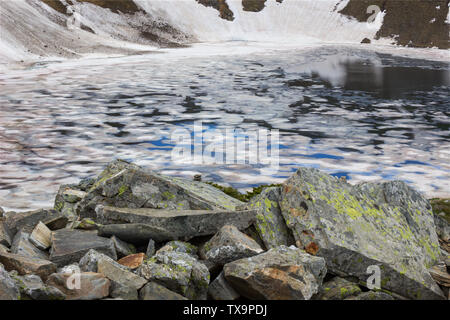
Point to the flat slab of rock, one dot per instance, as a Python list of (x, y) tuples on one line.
[(27, 265), (5, 234), (354, 227), (70, 246), (88, 285), (23, 246), (229, 244), (179, 272), (8, 287), (136, 233), (154, 291), (178, 223), (26, 221), (220, 289), (41, 236), (270, 224), (119, 274), (282, 273), (132, 261), (440, 275), (126, 185)]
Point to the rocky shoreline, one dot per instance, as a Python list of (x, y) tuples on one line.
[(131, 233)]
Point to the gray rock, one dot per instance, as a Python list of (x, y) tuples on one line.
[(119, 274), (1, 212), (5, 234), (353, 227), (124, 292), (67, 199), (179, 272), (89, 262), (22, 245), (85, 224), (41, 236), (26, 221), (151, 248), (338, 289), (123, 249), (33, 287), (8, 287), (126, 185), (179, 246), (371, 295), (229, 244), (180, 224), (136, 233), (442, 227), (57, 223), (81, 286), (154, 291), (3, 248), (220, 289), (282, 273), (70, 246), (270, 223), (27, 265)]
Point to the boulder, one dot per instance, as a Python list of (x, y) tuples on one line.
[(388, 225), (119, 273), (229, 244), (67, 199), (56, 223), (27, 265), (70, 246), (26, 221), (32, 287), (270, 224), (154, 291), (371, 295), (180, 224), (440, 275), (132, 261), (123, 249), (23, 246), (151, 248), (126, 185), (282, 273), (220, 289), (122, 291), (136, 233), (80, 286), (8, 287), (5, 234), (41, 236), (89, 262), (179, 246), (179, 272), (85, 224), (338, 289)]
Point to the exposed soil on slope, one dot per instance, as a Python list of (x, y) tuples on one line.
[(221, 6), (255, 5), (414, 23)]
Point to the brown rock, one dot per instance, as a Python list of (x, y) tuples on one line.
[(27, 265), (132, 261), (80, 286)]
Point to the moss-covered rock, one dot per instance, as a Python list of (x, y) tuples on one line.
[(338, 289)]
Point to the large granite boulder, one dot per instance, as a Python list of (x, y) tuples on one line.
[(388, 225), (126, 185), (270, 223), (178, 224), (282, 273), (179, 272)]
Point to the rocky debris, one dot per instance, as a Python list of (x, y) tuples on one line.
[(70, 246), (41, 236), (5, 234), (126, 185), (371, 295), (179, 272), (442, 230), (282, 273), (32, 287), (89, 262), (270, 223), (441, 275), (85, 224), (229, 244), (179, 224), (366, 41), (132, 261), (338, 289), (154, 291), (124, 292), (123, 249), (179, 246), (27, 265), (56, 223), (151, 248), (23, 246), (136, 233), (26, 221), (353, 227), (67, 200), (119, 273), (8, 287), (80, 286), (220, 289)]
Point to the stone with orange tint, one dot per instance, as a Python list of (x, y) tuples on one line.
[(132, 261)]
